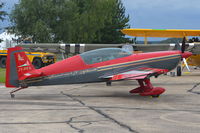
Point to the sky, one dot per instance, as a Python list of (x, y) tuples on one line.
[(163, 14), (152, 14), (9, 5)]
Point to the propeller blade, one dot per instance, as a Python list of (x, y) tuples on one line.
[(186, 64), (183, 45), (177, 46)]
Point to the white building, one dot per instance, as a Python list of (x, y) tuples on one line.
[(7, 40)]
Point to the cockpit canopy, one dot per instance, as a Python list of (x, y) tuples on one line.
[(104, 54)]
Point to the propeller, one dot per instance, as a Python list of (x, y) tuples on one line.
[(185, 54), (183, 45)]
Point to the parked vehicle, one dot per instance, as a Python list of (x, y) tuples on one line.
[(38, 59)]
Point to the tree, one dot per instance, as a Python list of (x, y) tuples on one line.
[(44, 20), (2, 13), (92, 15), (101, 21), (71, 21), (111, 33)]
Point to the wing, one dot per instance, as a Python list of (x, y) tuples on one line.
[(135, 74), (175, 33)]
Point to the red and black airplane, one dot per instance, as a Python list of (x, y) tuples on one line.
[(100, 65)]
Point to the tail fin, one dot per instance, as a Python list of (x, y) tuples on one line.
[(17, 65)]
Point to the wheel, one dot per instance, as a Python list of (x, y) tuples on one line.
[(155, 96), (3, 62), (37, 63), (156, 76), (178, 71), (12, 95), (108, 83)]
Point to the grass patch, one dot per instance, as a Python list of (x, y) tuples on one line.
[(2, 75)]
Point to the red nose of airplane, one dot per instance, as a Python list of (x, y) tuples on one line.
[(186, 54)]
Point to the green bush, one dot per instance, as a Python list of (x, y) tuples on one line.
[(2, 75)]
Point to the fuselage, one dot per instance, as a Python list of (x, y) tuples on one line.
[(78, 69)]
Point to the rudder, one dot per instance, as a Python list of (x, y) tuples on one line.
[(17, 64)]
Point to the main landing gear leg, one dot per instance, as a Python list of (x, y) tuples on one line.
[(108, 83), (147, 89), (15, 90)]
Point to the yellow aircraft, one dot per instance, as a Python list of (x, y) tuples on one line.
[(174, 33), (193, 60)]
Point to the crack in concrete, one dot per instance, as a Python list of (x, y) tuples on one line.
[(101, 113), (88, 123), (47, 122), (146, 109), (31, 123), (21, 110), (38, 103), (71, 121), (194, 87), (71, 125), (80, 87), (112, 119)]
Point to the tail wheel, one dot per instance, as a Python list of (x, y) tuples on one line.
[(155, 96), (108, 83), (37, 63), (3, 62), (178, 71)]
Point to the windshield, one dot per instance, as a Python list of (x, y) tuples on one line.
[(104, 54)]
